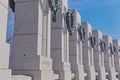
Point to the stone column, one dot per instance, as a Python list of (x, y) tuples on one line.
[(88, 59), (117, 56), (99, 55), (109, 58), (60, 44), (5, 72), (75, 50), (31, 46)]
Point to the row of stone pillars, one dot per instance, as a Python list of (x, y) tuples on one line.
[(44, 50)]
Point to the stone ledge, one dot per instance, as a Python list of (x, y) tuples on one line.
[(21, 77)]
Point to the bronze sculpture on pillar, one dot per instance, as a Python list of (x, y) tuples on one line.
[(69, 21), (54, 6), (102, 46), (112, 49), (12, 5), (92, 41), (82, 34)]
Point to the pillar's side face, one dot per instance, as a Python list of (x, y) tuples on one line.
[(5, 72), (4, 47), (4, 3), (3, 20), (32, 36), (26, 28), (28, 21)]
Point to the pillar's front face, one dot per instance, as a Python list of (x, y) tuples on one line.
[(4, 47), (3, 20), (31, 34), (5, 73)]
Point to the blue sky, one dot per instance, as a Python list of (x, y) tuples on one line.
[(101, 14)]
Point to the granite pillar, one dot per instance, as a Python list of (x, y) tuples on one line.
[(60, 44), (31, 43), (88, 59), (116, 43), (75, 50)]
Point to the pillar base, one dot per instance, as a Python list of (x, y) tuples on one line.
[(91, 74), (39, 67), (64, 71), (79, 74), (102, 74), (112, 74), (5, 74), (38, 75), (21, 77)]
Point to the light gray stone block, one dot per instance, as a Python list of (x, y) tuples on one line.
[(4, 3), (5, 74), (4, 56), (21, 77), (28, 22)]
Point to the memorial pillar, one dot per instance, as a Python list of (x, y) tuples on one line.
[(109, 58), (99, 55), (5, 72), (116, 43), (75, 49), (88, 59), (60, 44), (31, 43)]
